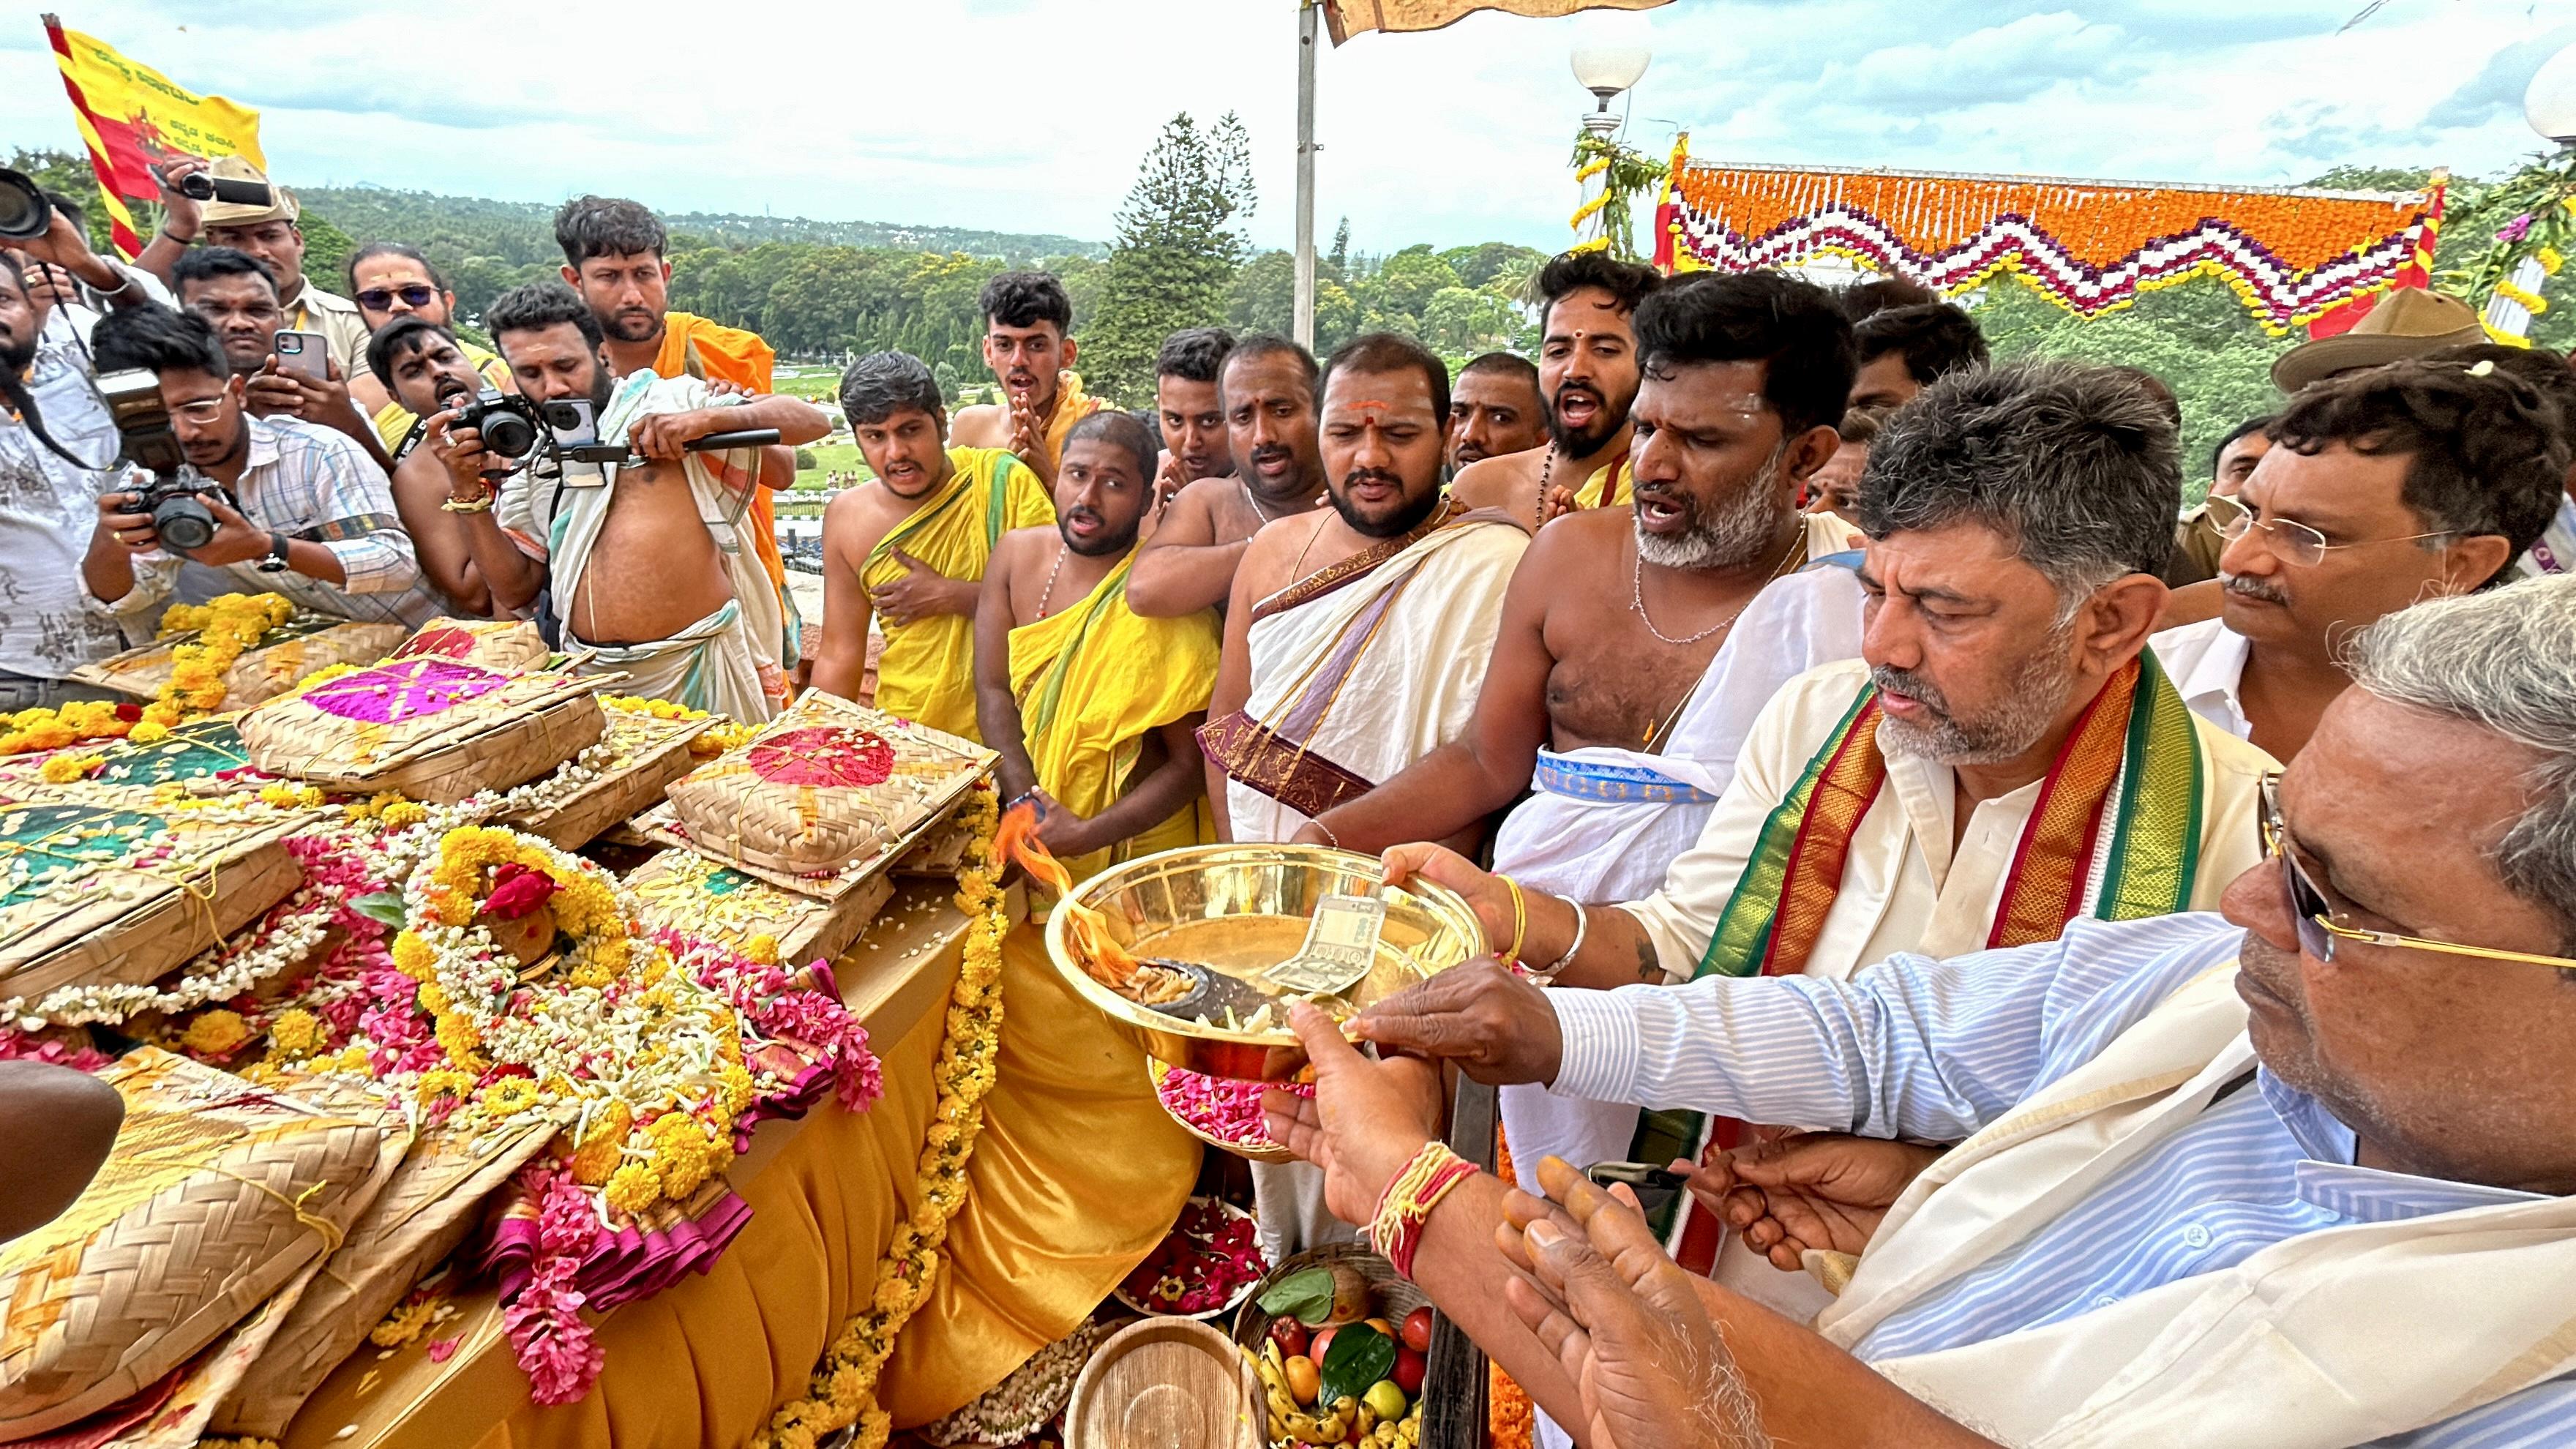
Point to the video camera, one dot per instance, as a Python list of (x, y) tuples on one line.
[(25, 214), (133, 399)]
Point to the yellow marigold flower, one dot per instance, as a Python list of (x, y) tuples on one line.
[(509, 1096), (763, 949), (413, 958), (215, 1032), (63, 769), (433, 998), (738, 1090), (148, 733), (634, 1188), (297, 1033), (436, 1084), (458, 1037), (597, 1157), (403, 813)]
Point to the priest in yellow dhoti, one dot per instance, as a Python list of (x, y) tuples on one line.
[(1026, 317), (1091, 708), (910, 547), (1963, 784)]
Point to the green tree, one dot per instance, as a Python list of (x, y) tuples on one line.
[(1176, 252), (1460, 322)]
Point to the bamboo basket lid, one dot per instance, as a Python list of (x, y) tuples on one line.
[(1166, 1383)]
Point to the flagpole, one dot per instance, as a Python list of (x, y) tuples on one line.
[(1308, 11)]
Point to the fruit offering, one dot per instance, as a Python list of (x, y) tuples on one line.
[(1313, 1406), (1208, 1261)]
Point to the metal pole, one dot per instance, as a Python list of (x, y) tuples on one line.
[(1308, 12)]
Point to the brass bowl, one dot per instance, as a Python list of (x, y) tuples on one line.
[(1242, 909)]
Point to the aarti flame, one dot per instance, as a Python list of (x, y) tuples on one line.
[(1085, 929)]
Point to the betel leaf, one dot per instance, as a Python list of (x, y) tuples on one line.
[(1306, 1296), (382, 906), (1359, 1357)]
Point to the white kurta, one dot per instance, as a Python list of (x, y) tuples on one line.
[(1905, 887)]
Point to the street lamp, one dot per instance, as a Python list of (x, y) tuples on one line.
[(1606, 70), (2549, 103)]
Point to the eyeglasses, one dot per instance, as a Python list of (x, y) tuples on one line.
[(2290, 542), (2313, 910), (415, 296), (204, 410)]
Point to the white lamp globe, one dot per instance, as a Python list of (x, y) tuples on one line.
[(1606, 70), (2549, 103)]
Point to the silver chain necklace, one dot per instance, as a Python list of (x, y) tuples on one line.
[(1637, 596), (1257, 510)]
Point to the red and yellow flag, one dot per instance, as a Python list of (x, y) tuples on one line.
[(1346, 18), (132, 117)]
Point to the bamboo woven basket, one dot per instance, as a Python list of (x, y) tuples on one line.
[(285, 654), (458, 730), (804, 798), (697, 895), (1392, 1296), (504, 646), (434, 1199), (654, 753), (214, 1196), (133, 923)]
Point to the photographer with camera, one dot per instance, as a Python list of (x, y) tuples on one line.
[(426, 372), (69, 285), (649, 559), (250, 505), (236, 295), (391, 281), (196, 200)]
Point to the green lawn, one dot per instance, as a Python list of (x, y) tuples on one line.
[(818, 386), (831, 458)]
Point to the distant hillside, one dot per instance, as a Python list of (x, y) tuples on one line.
[(523, 231)]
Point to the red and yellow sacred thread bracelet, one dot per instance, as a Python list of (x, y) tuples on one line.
[(1405, 1206)]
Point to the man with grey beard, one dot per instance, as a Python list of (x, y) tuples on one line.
[(2002, 757)]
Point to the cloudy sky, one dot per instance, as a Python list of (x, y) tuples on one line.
[(1030, 115)]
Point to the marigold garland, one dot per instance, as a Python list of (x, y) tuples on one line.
[(842, 1390), (226, 626)]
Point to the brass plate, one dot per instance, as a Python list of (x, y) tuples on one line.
[(1242, 909)]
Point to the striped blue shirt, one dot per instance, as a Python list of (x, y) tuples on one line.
[(1935, 1050)]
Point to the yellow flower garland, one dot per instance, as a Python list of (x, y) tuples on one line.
[(227, 627), (842, 1390), (725, 734)]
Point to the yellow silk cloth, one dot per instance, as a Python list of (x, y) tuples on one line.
[(393, 421), (706, 1360), (1611, 479), (1072, 405), (1092, 683), (927, 672), (1078, 1174)]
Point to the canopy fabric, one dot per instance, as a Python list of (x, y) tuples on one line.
[(1346, 18), (2090, 246)]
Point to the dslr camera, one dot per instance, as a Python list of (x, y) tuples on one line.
[(512, 426), (133, 399)]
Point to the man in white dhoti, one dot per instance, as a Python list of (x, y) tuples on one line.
[(1624, 708), (652, 581), (1357, 635)]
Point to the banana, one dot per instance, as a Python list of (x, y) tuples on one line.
[(1363, 1422)]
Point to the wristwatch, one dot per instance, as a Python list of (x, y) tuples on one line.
[(275, 563)]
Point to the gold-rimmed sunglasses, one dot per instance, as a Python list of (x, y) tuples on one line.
[(2314, 911)]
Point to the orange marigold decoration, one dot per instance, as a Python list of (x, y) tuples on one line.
[(2291, 254)]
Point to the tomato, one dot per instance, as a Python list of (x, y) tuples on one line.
[(1289, 1334), (1417, 1331), (1321, 1343), (1408, 1370)]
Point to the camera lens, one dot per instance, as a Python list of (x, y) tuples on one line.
[(24, 212), (507, 434), (561, 415), (183, 523), (197, 185)]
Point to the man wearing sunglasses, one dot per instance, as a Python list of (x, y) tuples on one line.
[(2384, 487), (299, 510), (392, 280), (2297, 1175)]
